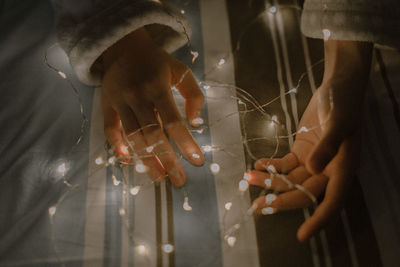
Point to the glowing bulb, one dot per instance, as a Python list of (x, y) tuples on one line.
[(271, 168), (231, 240), (149, 149), (111, 160), (270, 198), (206, 87), (62, 74), (240, 102), (272, 9), (62, 168), (326, 33), (52, 210), (99, 161), (215, 168), (228, 205), (182, 11), (268, 183), (198, 121), (195, 55), (195, 156), (140, 167), (267, 211), (206, 148), (293, 90), (168, 248), (135, 190), (274, 118), (141, 249), (116, 182), (122, 212), (243, 185), (124, 149), (303, 129), (246, 176), (221, 62), (186, 205)]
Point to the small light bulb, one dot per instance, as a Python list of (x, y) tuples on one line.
[(240, 102), (228, 205), (168, 248), (149, 149), (135, 190), (186, 205), (99, 161), (122, 212), (272, 9), (62, 168), (116, 182), (271, 168), (62, 74), (52, 210), (215, 168), (270, 198), (140, 167), (231, 240), (182, 11), (198, 121), (268, 183), (246, 176), (141, 249), (293, 90), (274, 118), (206, 87), (303, 129), (243, 185), (206, 148), (195, 55), (267, 211), (111, 160), (221, 62), (195, 156), (326, 33)]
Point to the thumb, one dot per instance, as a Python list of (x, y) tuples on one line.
[(189, 89)]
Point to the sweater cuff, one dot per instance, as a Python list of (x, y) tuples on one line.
[(351, 22), (85, 44)]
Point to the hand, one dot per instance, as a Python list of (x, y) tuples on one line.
[(326, 158), (136, 90)]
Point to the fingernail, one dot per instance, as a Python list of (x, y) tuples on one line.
[(268, 211), (197, 121), (270, 198)]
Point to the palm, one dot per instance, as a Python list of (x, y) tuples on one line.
[(334, 180)]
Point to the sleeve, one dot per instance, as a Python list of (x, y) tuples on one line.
[(356, 20), (86, 28)]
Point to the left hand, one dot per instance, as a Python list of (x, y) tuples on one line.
[(335, 179)]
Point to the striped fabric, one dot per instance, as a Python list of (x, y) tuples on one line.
[(101, 226)]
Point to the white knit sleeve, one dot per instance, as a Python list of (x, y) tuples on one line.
[(357, 20), (86, 28)]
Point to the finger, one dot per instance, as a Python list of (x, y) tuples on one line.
[(336, 191), (156, 138), (277, 182), (326, 149), (315, 185), (177, 130), (112, 131), (189, 89), (138, 145), (282, 165)]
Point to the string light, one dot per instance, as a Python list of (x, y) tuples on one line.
[(140, 167), (268, 211), (195, 156), (268, 182), (149, 149), (62, 169), (231, 240), (327, 34), (270, 198), (215, 168), (99, 160), (168, 248), (62, 74), (228, 205), (141, 249), (206, 87), (275, 119), (186, 205), (272, 9), (135, 190), (112, 160), (195, 55), (243, 185), (198, 121), (52, 210), (221, 62)]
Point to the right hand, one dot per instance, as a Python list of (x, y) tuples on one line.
[(136, 90)]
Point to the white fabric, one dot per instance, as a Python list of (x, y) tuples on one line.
[(357, 20), (87, 28)]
